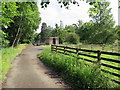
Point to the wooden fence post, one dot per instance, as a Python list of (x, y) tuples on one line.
[(99, 58), (51, 48), (56, 48), (77, 50), (64, 49)]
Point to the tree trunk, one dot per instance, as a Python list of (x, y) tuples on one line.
[(14, 42), (16, 37), (19, 38)]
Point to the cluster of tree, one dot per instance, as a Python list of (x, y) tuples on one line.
[(19, 22), (100, 30), (66, 34)]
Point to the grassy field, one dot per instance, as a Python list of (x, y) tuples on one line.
[(7, 56), (78, 75), (108, 48)]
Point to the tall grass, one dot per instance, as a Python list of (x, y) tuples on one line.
[(7, 56), (77, 74)]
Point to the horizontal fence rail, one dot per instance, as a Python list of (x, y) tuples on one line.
[(102, 47), (66, 50)]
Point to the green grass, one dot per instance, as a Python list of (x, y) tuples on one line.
[(7, 56), (108, 48), (102, 61), (75, 72)]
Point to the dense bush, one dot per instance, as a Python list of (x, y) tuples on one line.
[(72, 38), (74, 71)]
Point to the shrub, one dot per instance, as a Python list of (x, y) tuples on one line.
[(78, 75), (72, 38)]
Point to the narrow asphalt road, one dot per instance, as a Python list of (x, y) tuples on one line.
[(29, 72)]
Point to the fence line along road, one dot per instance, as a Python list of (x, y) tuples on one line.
[(66, 50), (103, 47)]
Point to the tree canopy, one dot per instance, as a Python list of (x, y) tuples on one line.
[(19, 21)]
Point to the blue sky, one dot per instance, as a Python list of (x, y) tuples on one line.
[(53, 13)]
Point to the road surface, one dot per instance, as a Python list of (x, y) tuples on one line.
[(29, 72)]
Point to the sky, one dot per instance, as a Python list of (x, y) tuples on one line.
[(54, 14)]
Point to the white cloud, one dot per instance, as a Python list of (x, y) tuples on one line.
[(114, 6)]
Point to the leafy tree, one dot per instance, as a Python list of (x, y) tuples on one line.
[(63, 36), (25, 24), (56, 31), (70, 28), (62, 32), (37, 38), (43, 32), (104, 23), (78, 25), (85, 31), (72, 38), (9, 11), (117, 30)]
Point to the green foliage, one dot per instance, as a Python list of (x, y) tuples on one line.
[(3, 41), (9, 10), (70, 28), (117, 30), (75, 72), (37, 37), (85, 31), (100, 30), (101, 14), (45, 32), (8, 54), (56, 31), (72, 38), (24, 24)]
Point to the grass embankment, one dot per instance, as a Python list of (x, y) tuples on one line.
[(7, 56), (101, 61), (78, 75)]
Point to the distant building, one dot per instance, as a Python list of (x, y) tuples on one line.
[(61, 24), (52, 40)]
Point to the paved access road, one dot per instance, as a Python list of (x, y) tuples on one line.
[(29, 72)]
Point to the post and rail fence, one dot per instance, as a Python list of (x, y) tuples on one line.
[(66, 50)]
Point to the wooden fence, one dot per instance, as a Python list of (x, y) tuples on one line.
[(79, 52), (102, 47)]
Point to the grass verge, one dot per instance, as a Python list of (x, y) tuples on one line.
[(7, 56), (78, 75)]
